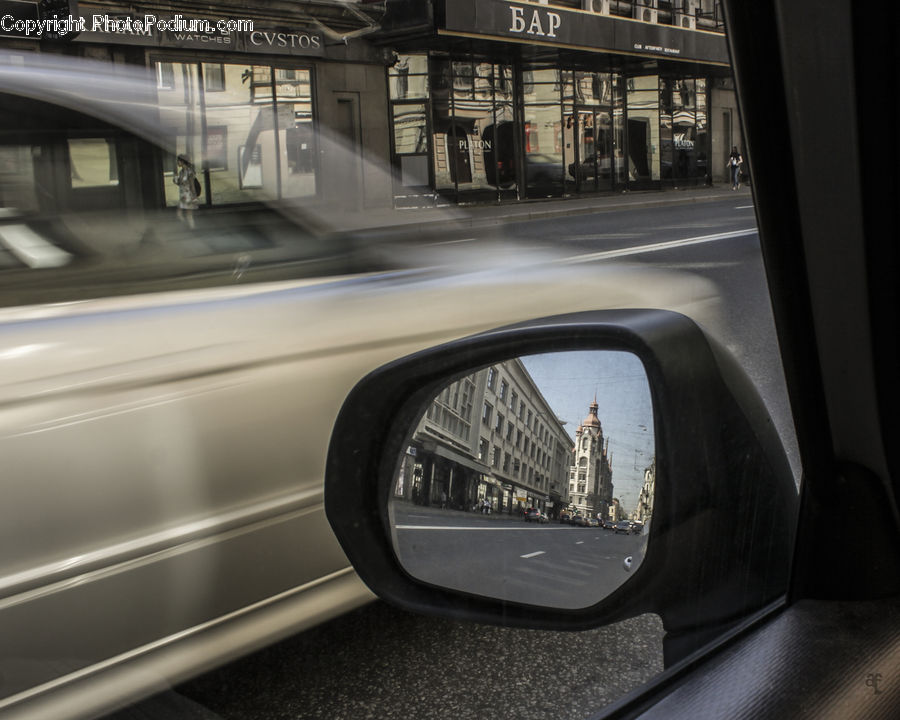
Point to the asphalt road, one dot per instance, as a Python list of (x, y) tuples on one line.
[(501, 556), (379, 662)]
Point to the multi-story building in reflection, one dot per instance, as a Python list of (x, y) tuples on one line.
[(590, 474), (489, 438), (644, 509)]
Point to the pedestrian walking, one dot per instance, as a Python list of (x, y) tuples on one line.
[(188, 190), (734, 167)]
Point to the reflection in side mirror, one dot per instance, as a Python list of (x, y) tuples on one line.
[(530, 480)]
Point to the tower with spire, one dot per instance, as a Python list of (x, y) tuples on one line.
[(590, 476)]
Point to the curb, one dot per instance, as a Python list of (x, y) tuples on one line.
[(561, 208)]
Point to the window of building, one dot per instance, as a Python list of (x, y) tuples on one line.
[(214, 77), (498, 427), (528, 421), (509, 431), (492, 378), (483, 449), (495, 458), (507, 458), (514, 399), (504, 386), (92, 162), (165, 76), (486, 413)]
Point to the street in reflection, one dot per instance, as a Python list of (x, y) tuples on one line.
[(530, 480)]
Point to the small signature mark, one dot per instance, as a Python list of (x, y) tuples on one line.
[(872, 681)]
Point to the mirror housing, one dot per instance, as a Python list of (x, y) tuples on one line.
[(720, 543)]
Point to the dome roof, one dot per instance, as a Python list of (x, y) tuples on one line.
[(592, 421)]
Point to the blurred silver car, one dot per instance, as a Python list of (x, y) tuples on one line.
[(169, 392)]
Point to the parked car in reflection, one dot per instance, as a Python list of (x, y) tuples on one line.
[(623, 527), (543, 170), (590, 167), (532, 514)]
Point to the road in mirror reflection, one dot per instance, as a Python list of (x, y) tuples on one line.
[(530, 480)]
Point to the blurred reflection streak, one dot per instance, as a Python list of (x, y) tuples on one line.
[(31, 249)]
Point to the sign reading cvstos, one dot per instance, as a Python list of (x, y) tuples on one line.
[(564, 27), (178, 31)]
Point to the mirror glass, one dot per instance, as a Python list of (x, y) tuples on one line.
[(530, 480)]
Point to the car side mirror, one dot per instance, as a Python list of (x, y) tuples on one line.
[(714, 548)]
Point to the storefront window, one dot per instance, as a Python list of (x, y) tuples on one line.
[(408, 78), (247, 129), (293, 93), (643, 128), (473, 127), (544, 150), (667, 150), (92, 162), (702, 167)]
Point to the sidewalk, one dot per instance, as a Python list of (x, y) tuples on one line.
[(413, 220)]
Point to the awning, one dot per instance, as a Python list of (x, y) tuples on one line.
[(461, 459)]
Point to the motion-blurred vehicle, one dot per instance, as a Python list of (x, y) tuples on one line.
[(623, 527), (532, 515), (169, 391), (565, 517)]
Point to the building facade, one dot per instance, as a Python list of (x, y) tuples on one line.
[(590, 474), (411, 103), (282, 101), (490, 437), (497, 100), (644, 510)]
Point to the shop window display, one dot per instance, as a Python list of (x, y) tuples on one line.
[(256, 137)]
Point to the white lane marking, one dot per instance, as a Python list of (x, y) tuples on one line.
[(531, 555), (742, 207), (656, 247), (454, 242), (580, 542)]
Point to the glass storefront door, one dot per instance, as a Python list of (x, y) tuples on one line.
[(473, 129), (642, 133)]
